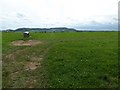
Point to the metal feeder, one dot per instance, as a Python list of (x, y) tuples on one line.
[(26, 34)]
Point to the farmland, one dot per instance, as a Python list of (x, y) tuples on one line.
[(61, 60)]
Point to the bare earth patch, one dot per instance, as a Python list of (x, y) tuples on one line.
[(31, 65), (26, 43)]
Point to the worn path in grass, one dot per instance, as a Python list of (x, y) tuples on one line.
[(24, 65)]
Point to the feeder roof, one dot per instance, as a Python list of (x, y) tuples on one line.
[(26, 32)]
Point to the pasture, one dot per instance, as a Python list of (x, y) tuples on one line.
[(61, 60)]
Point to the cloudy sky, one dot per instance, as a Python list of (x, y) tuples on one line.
[(79, 14)]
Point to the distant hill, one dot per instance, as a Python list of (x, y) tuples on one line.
[(60, 29)]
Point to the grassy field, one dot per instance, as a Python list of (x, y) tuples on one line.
[(66, 60), (0, 61)]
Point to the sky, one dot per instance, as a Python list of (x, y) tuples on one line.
[(78, 14)]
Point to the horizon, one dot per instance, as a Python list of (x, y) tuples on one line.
[(81, 29)]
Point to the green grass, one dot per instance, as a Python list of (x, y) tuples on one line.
[(0, 60), (70, 60)]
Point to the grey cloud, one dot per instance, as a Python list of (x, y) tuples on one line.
[(115, 19), (23, 17), (19, 15), (96, 25)]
